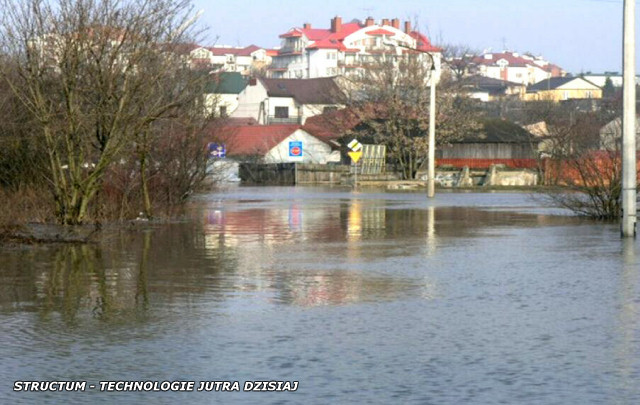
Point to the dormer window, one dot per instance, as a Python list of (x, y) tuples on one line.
[(502, 63)]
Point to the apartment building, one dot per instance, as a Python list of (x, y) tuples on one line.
[(345, 48)]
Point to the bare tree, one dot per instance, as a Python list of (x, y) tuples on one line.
[(589, 175), (94, 76), (390, 102), (459, 59)]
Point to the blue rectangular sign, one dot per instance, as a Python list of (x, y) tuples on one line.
[(217, 150), (295, 148)]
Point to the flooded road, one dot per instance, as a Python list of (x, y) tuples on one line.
[(362, 297)]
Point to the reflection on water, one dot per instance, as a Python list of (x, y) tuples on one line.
[(367, 297)]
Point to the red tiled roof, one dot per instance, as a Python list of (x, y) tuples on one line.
[(246, 51), (327, 44), (331, 125), (380, 31), (252, 140), (423, 42), (324, 38), (294, 32), (514, 61), (272, 52)]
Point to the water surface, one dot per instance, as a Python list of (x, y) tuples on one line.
[(362, 297)]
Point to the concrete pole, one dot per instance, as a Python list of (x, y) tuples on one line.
[(431, 185), (628, 228)]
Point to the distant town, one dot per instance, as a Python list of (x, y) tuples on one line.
[(302, 85)]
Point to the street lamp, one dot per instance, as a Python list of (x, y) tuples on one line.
[(431, 171)]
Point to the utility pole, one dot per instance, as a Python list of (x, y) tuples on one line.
[(431, 172), (629, 181)]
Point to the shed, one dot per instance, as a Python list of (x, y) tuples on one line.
[(497, 142)]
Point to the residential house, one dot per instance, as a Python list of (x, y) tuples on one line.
[(514, 67), (611, 135), (563, 88), (275, 144), (221, 92), (292, 101), (346, 48), (489, 89)]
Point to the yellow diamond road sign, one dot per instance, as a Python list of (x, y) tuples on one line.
[(355, 156), (354, 145)]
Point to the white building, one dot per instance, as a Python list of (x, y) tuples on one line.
[(600, 79), (221, 92), (513, 67), (343, 49), (287, 101), (276, 144), (229, 59)]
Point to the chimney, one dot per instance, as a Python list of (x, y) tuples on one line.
[(407, 27), (306, 26), (336, 24), (395, 23), (368, 22), (385, 21)]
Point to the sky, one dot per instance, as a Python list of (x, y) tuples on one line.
[(578, 35)]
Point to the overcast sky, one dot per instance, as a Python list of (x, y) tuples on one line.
[(578, 35)]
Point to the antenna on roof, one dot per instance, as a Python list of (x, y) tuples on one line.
[(368, 10)]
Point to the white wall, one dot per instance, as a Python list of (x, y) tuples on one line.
[(283, 102), (215, 101), (313, 150), (252, 102)]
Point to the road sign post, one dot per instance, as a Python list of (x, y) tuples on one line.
[(355, 154)]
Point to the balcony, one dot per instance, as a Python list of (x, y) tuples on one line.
[(272, 119)]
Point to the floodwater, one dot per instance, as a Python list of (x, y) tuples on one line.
[(361, 297)]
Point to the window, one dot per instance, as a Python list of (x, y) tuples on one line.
[(223, 110), (282, 112), (329, 108), (589, 94)]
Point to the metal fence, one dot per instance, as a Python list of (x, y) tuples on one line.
[(373, 159)]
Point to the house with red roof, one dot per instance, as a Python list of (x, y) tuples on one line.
[(275, 144), (346, 48), (514, 67)]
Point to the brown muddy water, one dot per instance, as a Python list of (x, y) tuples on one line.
[(361, 297)]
